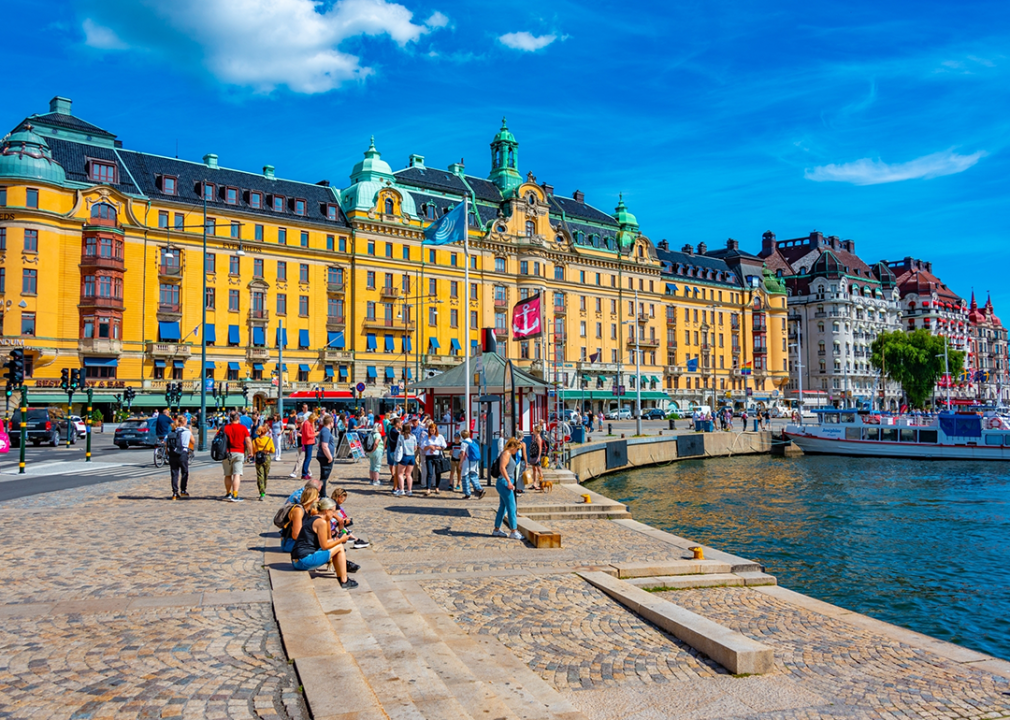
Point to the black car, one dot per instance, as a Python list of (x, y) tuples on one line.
[(42, 425), (654, 414), (135, 431)]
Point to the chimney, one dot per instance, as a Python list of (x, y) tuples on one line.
[(416, 161), (60, 105), (210, 160), (323, 183), (848, 246), (702, 247), (548, 189), (732, 244), (929, 267), (767, 243), (579, 196), (457, 168), (817, 238), (689, 249), (663, 244), (268, 172)]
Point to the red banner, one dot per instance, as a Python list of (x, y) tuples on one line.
[(526, 318)]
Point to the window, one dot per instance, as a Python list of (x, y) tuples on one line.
[(432, 287), (3, 283), (231, 195), (256, 200), (473, 320), (303, 273), (499, 266), (232, 374), (303, 305), (88, 290), (334, 308), (282, 304), (103, 172), (432, 257), (432, 317), (180, 221), (342, 244), (31, 198), (168, 295), (282, 236), (233, 301), (388, 206), (32, 241), (299, 207), (282, 271), (453, 289), (370, 280), (163, 219), (211, 226), (452, 259), (278, 204), (406, 252), (531, 228), (559, 273), (104, 286), (209, 299), (258, 268), (3, 238), (331, 214), (29, 282), (233, 264), (208, 191), (3, 196), (258, 232), (210, 263), (235, 229), (389, 250), (370, 310), (524, 267), (305, 239), (27, 328), (371, 248), (454, 318), (329, 243)]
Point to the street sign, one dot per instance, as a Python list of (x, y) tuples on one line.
[(617, 390), (360, 387), (394, 390), (273, 381), (209, 384)]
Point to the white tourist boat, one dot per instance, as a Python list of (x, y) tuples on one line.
[(947, 436)]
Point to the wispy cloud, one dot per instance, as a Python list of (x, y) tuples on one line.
[(258, 43), (875, 172), (527, 42)]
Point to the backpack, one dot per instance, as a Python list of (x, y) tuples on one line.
[(496, 468), (281, 516), (472, 454), (172, 444), (219, 446), (368, 442)]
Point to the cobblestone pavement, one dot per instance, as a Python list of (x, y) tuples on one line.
[(116, 621)]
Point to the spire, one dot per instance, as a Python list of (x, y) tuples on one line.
[(974, 305), (505, 160)]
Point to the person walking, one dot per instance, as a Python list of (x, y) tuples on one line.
[(469, 461), (239, 447), (406, 451), (327, 442), (276, 429), (308, 440), (162, 424), (433, 444), (538, 451), (392, 440), (376, 455), (455, 450), (263, 450), (178, 457), (505, 487)]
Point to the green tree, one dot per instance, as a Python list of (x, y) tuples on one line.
[(915, 361)]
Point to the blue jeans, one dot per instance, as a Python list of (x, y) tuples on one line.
[(471, 483), (287, 544), (307, 460), (311, 562), (506, 503)]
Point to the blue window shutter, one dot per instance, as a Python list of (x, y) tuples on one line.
[(370, 342), (233, 338), (259, 337), (210, 333), (390, 345), (303, 338)]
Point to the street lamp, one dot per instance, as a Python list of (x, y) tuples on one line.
[(638, 370)]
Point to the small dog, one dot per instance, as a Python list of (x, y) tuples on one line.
[(546, 486)]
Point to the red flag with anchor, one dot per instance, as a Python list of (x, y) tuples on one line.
[(526, 322)]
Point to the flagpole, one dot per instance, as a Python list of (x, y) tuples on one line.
[(466, 305)]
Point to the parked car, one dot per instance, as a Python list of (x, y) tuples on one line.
[(42, 425), (79, 425), (135, 431), (567, 416), (654, 414), (624, 414)]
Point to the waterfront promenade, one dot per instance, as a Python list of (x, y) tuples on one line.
[(152, 608)]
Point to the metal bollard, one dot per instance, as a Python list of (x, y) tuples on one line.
[(610, 429)]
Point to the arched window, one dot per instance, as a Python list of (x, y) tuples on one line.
[(531, 228), (531, 198), (103, 211), (473, 219), (820, 327), (512, 158), (389, 206), (496, 159), (429, 212)]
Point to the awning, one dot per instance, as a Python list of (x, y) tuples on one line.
[(434, 343), (407, 347), (257, 366), (179, 361), (282, 337), (343, 372), (328, 371), (303, 338), (233, 366), (628, 397), (168, 331), (259, 337), (410, 374), (586, 378), (655, 379), (454, 344), (210, 333), (303, 367), (371, 371), (97, 362), (284, 367), (370, 342), (390, 345), (233, 338), (335, 340), (159, 363), (390, 373), (474, 347), (672, 289), (209, 365)]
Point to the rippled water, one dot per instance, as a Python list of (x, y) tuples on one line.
[(919, 544)]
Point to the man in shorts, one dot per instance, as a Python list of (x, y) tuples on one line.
[(239, 448)]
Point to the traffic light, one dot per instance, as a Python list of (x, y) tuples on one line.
[(128, 395), (65, 379), (245, 396), (75, 378), (16, 368)]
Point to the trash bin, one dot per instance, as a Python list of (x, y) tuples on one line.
[(709, 426), (757, 424), (672, 425), (578, 434)]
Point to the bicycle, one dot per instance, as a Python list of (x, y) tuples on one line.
[(160, 454)]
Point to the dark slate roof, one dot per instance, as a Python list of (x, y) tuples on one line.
[(486, 213), (588, 230), (69, 122), (146, 170), (575, 209), (494, 376), (447, 182), (670, 258), (73, 156)]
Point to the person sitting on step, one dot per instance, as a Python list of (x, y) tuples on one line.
[(317, 550), (306, 500)]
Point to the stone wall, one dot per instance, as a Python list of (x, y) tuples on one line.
[(591, 461)]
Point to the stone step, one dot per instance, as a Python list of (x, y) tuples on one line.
[(599, 508), (680, 582), (576, 513)]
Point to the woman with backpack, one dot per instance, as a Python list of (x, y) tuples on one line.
[(375, 454), (469, 462), (392, 436), (315, 548), (263, 450), (503, 470), (296, 515)]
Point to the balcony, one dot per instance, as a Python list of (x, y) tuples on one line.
[(259, 316), (650, 342), (671, 344), (102, 263), (388, 292), (99, 346), (257, 354), (330, 355), (335, 288), (442, 360), (760, 351), (501, 303), (675, 370), (335, 322), (734, 323), (102, 302), (560, 310), (643, 318), (169, 272), (168, 350), (671, 318), (759, 329), (388, 324), (501, 333), (735, 349), (168, 311)]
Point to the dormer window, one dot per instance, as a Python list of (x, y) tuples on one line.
[(278, 203), (256, 200), (299, 206), (231, 195), (208, 191), (102, 172), (429, 211), (331, 210), (168, 184)]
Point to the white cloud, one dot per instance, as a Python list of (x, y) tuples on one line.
[(258, 43), (526, 41), (876, 172)]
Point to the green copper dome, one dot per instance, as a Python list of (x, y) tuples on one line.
[(25, 154), (505, 135), (623, 215), (369, 177), (373, 167)]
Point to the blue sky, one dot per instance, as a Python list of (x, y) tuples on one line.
[(886, 123)]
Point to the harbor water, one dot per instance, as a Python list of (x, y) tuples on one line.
[(920, 544)]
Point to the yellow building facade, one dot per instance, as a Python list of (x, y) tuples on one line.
[(103, 267)]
